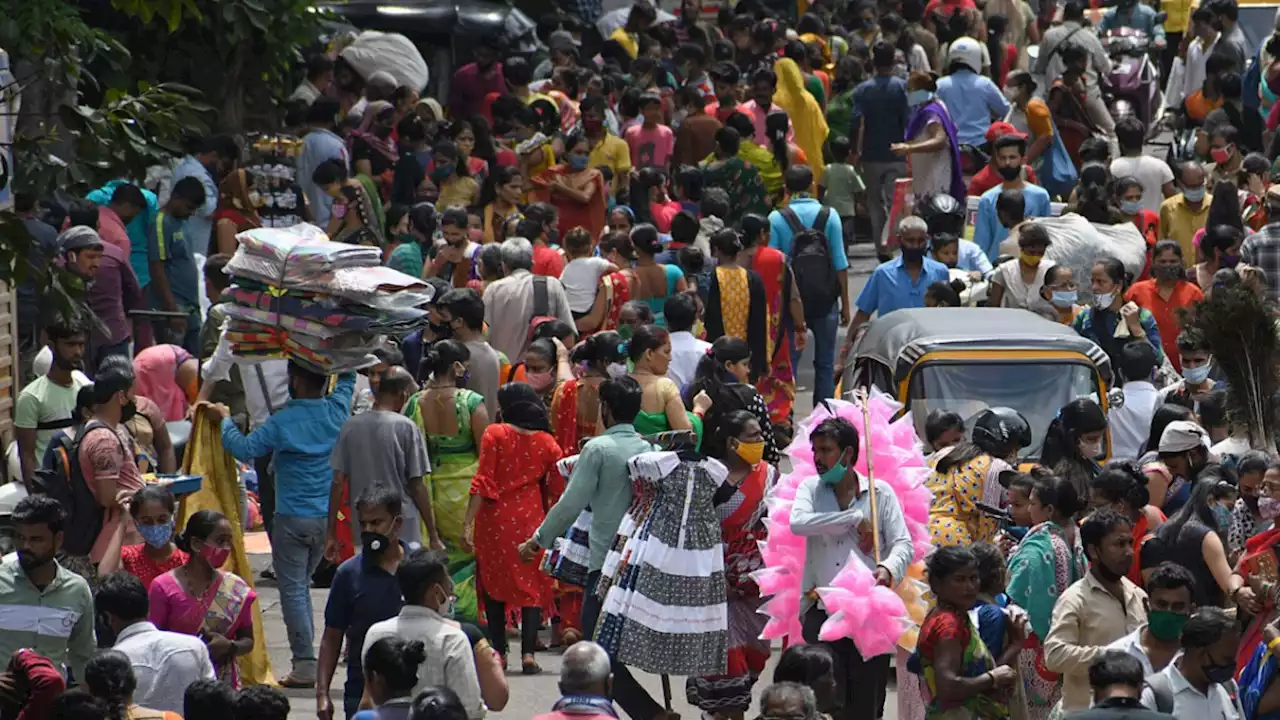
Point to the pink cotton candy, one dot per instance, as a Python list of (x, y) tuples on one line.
[(874, 617)]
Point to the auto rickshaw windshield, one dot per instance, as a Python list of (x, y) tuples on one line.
[(1036, 390)]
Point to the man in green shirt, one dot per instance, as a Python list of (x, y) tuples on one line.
[(47, 404), (48, 608)]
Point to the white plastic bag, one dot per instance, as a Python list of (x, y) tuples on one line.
[(1078, 243), (373, 51)]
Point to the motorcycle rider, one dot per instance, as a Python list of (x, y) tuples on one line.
[(1050, 65), (1136, 15)]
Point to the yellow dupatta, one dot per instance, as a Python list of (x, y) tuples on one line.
[(220, 491), (807, 118)]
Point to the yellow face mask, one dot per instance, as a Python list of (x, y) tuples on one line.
[(1031, 260), (750, 452)]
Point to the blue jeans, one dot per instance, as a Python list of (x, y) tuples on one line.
[(297, 546), (825, 329)]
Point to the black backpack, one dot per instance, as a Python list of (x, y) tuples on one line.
[(812, 264), (63, 481)]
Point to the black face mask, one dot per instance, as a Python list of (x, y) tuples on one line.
[(1009, 173), (128, 411), (374, 543), (441, 331), (913, 254)]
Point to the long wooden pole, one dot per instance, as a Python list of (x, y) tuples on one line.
[(871, 478)]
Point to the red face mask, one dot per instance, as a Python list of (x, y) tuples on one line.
[(214, 555)]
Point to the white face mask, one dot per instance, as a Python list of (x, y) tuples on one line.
[(1092, 450), (1103, 301)]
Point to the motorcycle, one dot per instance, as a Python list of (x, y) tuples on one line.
[(1132, 88)]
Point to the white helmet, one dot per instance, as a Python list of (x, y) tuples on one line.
[(965, 51)]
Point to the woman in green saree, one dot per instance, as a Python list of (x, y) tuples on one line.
[(452, 419), (661, 409), (737, 177), (1041, 568)]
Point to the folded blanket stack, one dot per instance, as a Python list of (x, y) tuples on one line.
[(324, 304)]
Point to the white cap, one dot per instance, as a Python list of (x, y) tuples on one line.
[(1181, 436)]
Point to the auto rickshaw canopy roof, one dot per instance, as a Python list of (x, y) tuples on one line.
[(900, 339)]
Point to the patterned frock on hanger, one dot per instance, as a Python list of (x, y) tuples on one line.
[(664, 605)]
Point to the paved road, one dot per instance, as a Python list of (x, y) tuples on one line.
[(533, 695)]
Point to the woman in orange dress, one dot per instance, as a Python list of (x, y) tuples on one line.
[(516, 483), (786, 320), (235, 213), (574, 188)]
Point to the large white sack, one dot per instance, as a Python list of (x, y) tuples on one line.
[(1078, 243), (373, 51)]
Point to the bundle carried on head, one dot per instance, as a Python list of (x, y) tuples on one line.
[(324, 304)]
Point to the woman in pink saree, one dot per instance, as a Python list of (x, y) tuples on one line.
[(199, 599), (166, 375)]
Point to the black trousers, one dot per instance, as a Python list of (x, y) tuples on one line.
[(860, 684), (634, 700), (1172, 42), (495, 615)]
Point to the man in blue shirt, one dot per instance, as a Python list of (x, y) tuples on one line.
[(823, 321), (991, 228), (1136, 15), (302, 435), (364, 591), (175, 281), (319, 145), (215, 158), (972, 98), (899, 283), (880, 115)]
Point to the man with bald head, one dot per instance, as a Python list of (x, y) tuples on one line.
[(585, 685), (383, 447)]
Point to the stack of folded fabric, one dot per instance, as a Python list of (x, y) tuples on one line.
[(324, 304)]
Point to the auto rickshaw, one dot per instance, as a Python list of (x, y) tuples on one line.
[(969, 359)]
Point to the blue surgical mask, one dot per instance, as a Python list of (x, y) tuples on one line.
[(1064, 298), (1196, 375), (157, 536), (918, 97), (578, 162), (835, 474), (1223, 516), (1130, 207), (1193, 194)]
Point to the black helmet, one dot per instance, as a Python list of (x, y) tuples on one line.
[(942, 213), (995, 429)]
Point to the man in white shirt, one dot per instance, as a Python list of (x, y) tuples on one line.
[(681, 311), (1152, 172), (1131, 423), (831, 512), (1196, 684), (428, 596), (1201, 41), (165, 663)]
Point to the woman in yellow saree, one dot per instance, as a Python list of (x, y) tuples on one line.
[(807, 118)]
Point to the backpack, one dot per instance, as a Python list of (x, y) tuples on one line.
[(812, 264), (64, 481), (541, 306)]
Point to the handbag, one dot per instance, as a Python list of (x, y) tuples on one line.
[(1057, 173)]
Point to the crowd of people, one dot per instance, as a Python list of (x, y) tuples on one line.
[(631, 239)]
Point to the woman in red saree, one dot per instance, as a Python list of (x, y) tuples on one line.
[(575, 419), (235, 214), (739, 443), (574, 188), (786, 316), (616, 289), (1260, 565)]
